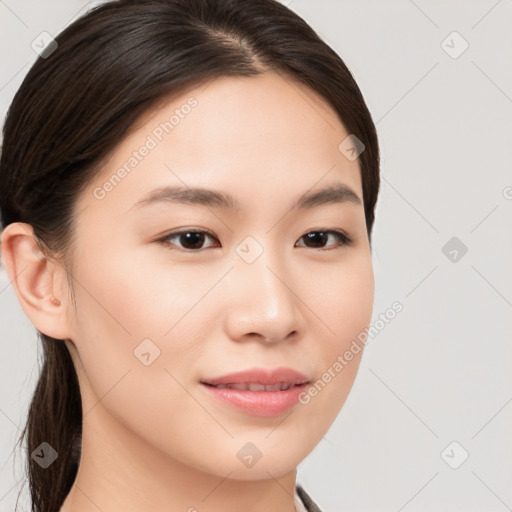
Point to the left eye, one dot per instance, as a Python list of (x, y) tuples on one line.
[(193, 240), (321, 237)]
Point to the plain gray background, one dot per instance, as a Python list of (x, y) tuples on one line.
[(434, 384)]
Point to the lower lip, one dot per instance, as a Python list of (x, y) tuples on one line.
[(258, 403)]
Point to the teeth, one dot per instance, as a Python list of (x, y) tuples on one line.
[(256, 387), (276, 387)]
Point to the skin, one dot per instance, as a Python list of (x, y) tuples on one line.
[(152, 436)]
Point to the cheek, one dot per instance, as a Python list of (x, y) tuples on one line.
[(342, 301), (131, 313), (341, 298), (136, 297)]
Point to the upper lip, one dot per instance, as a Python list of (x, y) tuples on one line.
[(261, 376)]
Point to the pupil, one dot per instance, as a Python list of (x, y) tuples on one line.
[(318, 237), (195, 240)]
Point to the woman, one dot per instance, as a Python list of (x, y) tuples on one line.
[(187, 192)]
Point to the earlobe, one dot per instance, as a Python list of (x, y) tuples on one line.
[(36, 280)]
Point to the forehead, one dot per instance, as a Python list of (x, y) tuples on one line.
[(266, 133)]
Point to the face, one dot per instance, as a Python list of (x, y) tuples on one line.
[(173, 292)]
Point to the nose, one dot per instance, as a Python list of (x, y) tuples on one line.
[(261, 302)]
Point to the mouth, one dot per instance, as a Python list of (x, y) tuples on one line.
[(258, 392)]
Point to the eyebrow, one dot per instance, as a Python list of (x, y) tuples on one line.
[(335, 193)]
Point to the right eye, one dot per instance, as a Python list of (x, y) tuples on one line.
[(191, 240)]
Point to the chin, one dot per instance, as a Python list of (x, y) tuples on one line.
[(261, 471)]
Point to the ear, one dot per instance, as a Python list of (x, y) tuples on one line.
[(40, 284)]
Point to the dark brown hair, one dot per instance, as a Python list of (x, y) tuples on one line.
[(77, 103)]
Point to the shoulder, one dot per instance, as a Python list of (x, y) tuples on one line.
[(309, 504)]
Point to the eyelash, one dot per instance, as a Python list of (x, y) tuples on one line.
[(343, 239)]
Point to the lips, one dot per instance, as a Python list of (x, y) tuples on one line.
[(258, 392)]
